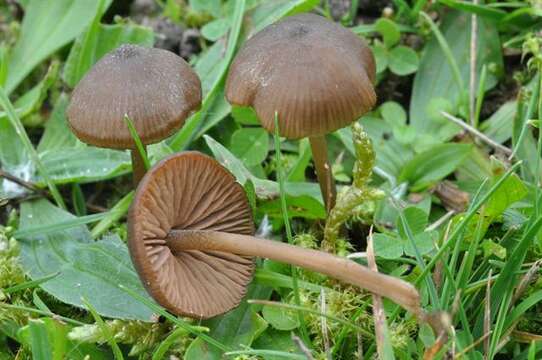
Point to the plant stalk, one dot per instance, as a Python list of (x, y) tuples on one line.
[(323, 171), (347, 271)]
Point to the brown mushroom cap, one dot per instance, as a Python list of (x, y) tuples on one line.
[(316, 74), (156, 88), (190, 191)]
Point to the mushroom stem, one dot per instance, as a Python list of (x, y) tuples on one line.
[(138, 166), (323, 170), (348, 271)]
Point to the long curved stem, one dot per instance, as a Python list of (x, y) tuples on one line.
[(397, 290), (323, 171), (138, 167)]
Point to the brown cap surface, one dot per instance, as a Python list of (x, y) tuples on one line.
[(189, 191), (156, 88), (316, 74)]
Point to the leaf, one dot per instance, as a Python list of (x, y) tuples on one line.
[(417, 220), (497, 127), (87, 268), (47, 26), (251, 145), (265, 189), (47, 339), (403, 60), (511, 191), (271, 11), (388, 247), (424, 243), (211, 7), (236, 329), (100, 39), (86, 164), (215, 29), (435, 78), (280, 318), (13, 154), (393, 113), (389, 31), (487, 12), (277, 340), (57, 134), (381, 57), (434, 164), (245, 115)]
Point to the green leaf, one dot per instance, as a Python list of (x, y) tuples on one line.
[(97, 41), (251, 145), (86, 164), (57, 134), (497, 127), (271, 11), (277, 340), (235, 329), (265, 189), (280, 318), (416, 218), (424, 243), (490, 13), (245, 115), (511, 191), (215, 29), (47, 26), (434, 164), (211, 7), (87, 268), (435, 77), (381, 57), (403, 60), (389, 31), (47, 339), (388, 247), (393, 113)]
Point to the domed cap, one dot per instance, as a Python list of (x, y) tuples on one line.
[(316, 74), (156, 88), (189, 191)]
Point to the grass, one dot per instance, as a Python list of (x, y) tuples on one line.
[(480, 266)]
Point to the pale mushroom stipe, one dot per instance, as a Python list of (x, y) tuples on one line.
[(190, 235), (316, 84), (155, 88)]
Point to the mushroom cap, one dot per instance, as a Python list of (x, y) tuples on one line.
[(190, 191), (317, 75), (156, 88)]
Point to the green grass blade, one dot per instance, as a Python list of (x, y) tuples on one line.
[(446, 49), (137, 140), (106, 331), (284, 207), (116, 212), (62, 225), (30, 284), (42, 313), (6, 104), (183, 137), (468, 216)]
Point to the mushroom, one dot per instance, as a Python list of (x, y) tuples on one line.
[(190, 235), (315, 75), (155, 88)]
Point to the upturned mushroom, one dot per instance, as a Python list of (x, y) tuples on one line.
[(314, 74), (190, 235), (155, 88)]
